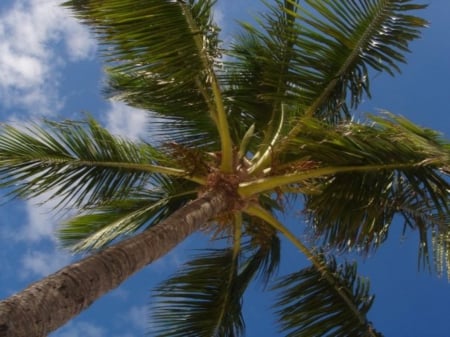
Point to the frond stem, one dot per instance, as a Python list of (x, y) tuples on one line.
[(281, 89), (249, 188), (258, 211), (266, 155), (218, 114), (128, 166)]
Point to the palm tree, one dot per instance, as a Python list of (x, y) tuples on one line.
[(238, 135)]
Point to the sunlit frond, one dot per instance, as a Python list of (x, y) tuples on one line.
[(355, 209), (426, 215), (309, 305), (274, 118), (78, 162), (316, 55), (440, 243), (344, 39), (161, 56)]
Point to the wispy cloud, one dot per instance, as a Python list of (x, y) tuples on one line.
[(41, 219), (42, 263), (37, 221), (38, 231), (125, 121), (41, 222), (37, 39)]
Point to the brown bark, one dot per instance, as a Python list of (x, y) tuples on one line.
[(48, 304)]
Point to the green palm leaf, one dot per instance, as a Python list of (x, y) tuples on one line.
[(79, 162), (99, 225), (426, 212), (261, 254), (258, 78), (316, 55), (309, 305), (354, 35), (355, 209), (201, 300), (176, 82), (205, 297)]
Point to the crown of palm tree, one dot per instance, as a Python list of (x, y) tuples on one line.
[(267, 119)]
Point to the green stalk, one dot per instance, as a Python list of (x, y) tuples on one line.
[(257, 186), (245, 141), (258, 211), (218, 115), (223, 128), (129, 166), (287, 47), (266, 156)]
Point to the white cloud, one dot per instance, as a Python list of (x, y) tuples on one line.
[(37, 37), (79, 43), (40, 223), (125, 121), (41, 219), (40, 263), (37, 222)]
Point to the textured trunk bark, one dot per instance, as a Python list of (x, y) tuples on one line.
[(47, 304)]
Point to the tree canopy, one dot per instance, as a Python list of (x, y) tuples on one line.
[(267, 119)]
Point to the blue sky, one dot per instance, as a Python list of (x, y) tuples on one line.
[(48, 67)]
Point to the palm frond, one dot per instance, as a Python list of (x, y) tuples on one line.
[(79, 162), (440, 241), (205, 297), (420, 211), (261, 253), (261, 246), (161, 57), (316, 55), (201, 300), (258, 78), (100, 225), (354, 35), (309, 305), (355, 209)]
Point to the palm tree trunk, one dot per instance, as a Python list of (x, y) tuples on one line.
[(47, 304)]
